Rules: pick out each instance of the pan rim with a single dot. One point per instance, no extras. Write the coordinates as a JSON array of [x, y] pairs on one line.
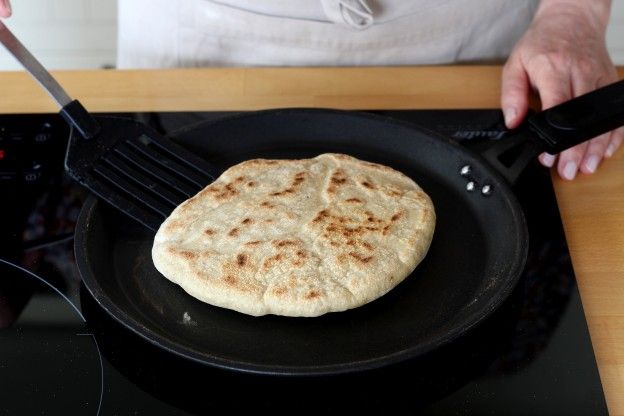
[[161, 340]]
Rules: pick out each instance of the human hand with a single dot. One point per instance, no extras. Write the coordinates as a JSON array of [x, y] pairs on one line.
[[562, 55], [5, 8]]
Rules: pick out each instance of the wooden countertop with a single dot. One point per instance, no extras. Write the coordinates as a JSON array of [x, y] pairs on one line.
[[592, 207]]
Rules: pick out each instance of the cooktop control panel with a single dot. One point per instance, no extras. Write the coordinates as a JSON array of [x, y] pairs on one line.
[[28, 149], [32, 148]]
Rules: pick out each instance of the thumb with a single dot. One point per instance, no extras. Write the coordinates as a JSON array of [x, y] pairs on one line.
[[514, 92]]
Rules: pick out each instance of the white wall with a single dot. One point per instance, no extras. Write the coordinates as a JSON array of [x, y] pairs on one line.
[[82, 33], [65, 34]]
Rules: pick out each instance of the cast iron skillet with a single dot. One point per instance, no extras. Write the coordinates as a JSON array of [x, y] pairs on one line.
[[478, 251]]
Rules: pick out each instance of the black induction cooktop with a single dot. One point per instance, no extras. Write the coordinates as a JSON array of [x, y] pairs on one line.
[[61, 354]]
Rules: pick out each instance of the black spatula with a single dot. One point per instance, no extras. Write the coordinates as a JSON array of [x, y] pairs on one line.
[[124, 162]]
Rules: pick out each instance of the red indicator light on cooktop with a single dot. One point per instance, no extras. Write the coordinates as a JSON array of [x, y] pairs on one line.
[[1, 154]]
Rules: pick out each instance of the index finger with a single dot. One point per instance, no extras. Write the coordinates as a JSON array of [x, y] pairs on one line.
[[553, 87]]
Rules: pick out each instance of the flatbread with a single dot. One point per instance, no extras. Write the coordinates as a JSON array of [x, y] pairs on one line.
[[297, 237]]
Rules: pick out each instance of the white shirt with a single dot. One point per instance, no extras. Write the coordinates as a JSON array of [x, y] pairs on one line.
[[174, 33]]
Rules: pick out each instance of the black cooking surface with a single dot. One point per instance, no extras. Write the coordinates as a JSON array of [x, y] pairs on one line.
[[533, 356]]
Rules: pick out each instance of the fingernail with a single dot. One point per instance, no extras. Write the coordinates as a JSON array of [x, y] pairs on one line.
[[569, 170], [592, 163], [610, 150], [510, 115], [548, 160]]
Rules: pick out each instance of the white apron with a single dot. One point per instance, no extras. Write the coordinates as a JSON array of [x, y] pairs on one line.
[[176, 33]]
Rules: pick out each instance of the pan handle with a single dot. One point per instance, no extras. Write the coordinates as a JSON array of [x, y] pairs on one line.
[[558, 128], [580, 119]]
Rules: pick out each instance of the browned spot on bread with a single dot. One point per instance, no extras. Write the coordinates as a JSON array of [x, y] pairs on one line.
[[299, 177], [230, 280], [260, 162], [247, 221], [233, 232], [251, 184], [189, 255], [294, 184], [239, 179], [367, 245], [297, 263], [283, 243], [393, 192], [241, 259], [272, 260], [292, 282], [279, 290], [228, 191], [359, 257], [338, 177], [348, 232], [267, 204], [368, 184], [313, 294], [353, 200], [284, 192], [321, 215], [301, 254], [371, 217], [173, 225], [268, 220], [253, 243], [209, 231]]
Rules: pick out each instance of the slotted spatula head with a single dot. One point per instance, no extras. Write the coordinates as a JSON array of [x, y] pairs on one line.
[[136, 170], [124, 162]]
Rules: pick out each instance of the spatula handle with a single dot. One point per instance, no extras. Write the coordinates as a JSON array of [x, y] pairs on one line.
[[72, 111], [580, 119]]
